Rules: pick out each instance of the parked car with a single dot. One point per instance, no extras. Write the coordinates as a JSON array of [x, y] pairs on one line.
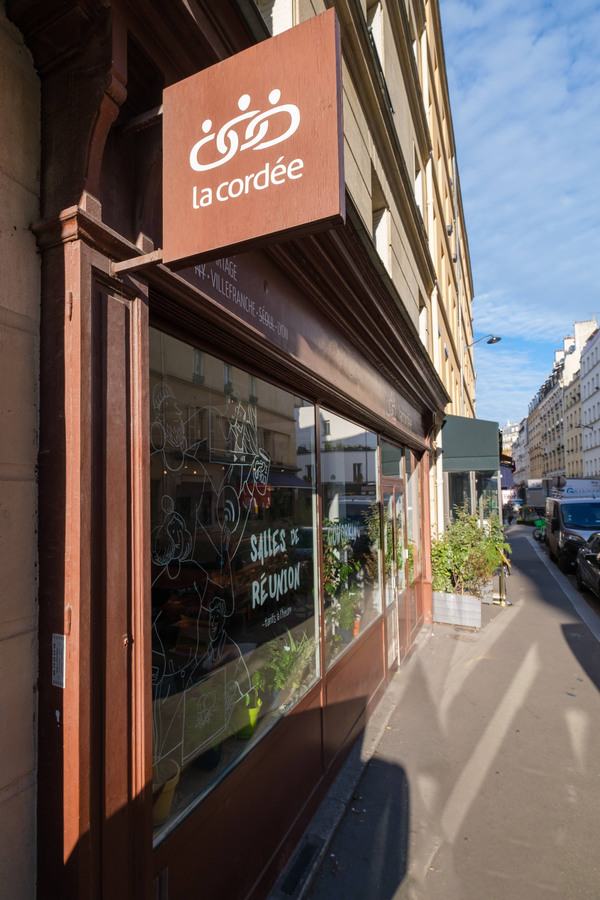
[[569, 524], [587, 566]]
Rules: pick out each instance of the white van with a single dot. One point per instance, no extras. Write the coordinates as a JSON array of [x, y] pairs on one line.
[[569, 523]]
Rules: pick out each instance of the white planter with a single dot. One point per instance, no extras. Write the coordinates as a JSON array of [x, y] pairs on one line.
[[488, 593], [457, 609]]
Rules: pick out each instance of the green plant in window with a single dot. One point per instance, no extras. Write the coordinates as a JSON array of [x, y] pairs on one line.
[[338, 567], [411, 555], [347, 608], [372, 521], [389, 542], [290, 660], [258, 686]]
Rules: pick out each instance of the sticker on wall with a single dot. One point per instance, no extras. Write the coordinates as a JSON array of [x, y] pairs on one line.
[[58, 660]]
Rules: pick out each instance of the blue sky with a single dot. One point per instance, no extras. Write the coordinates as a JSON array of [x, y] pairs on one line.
[[524, 80]]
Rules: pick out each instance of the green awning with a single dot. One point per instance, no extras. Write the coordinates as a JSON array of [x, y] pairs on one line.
[[470, 445]]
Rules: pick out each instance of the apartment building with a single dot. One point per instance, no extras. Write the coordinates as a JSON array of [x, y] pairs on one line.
[[521, 454], [590, 407], [573, 431], [510, 433], [554, 445]]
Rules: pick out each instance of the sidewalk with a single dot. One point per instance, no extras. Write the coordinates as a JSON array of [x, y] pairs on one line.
[[478, 777]]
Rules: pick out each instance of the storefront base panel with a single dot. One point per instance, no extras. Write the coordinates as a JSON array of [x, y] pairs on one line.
[[244, 833], [224, 847], [350, 685]]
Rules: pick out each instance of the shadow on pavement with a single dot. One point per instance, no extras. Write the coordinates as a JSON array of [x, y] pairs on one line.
[[375, 832], [584, 647]]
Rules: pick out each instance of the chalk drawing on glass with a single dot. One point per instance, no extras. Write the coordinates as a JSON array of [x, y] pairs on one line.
[[201, 675]]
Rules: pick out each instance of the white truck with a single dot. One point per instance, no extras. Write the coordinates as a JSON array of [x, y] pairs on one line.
[[578, 487]]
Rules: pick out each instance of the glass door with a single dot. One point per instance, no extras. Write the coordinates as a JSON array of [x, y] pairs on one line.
[[394, 548]]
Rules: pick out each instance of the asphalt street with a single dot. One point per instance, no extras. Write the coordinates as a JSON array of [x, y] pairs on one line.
[[481, 780]]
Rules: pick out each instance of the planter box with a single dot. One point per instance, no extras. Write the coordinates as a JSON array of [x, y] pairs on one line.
[[457, 609], [488, 593]]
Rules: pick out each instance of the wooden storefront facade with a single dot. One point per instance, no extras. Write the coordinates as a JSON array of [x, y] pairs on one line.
[[289, 369]]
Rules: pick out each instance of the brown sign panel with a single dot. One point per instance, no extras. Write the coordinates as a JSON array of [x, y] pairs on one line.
[[253, 146]]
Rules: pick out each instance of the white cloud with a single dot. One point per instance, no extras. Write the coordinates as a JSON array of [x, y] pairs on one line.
[[522, 318], [507, 381]]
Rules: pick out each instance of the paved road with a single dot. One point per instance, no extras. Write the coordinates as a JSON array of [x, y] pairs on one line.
[[485, 784]]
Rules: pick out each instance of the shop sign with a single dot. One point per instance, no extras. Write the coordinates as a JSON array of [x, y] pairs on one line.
[[254, 289], [253, 146]]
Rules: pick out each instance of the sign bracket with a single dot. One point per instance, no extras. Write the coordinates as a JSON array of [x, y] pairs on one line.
[[138, 262], [144, 120]]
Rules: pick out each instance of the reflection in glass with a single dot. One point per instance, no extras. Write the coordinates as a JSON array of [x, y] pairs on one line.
[[234, 605], [393, 543], [351, 531], [459, 492], [486, 495], [389, 553], [400, 548], [413, 518]]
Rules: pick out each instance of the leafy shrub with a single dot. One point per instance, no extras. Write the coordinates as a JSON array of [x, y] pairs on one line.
[[466, 556]]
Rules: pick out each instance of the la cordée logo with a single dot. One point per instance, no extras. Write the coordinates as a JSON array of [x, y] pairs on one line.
[[252, 129]]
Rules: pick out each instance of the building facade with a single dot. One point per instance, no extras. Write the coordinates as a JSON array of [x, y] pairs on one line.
[[452, 296], [238, 459], [553, 423], [590, 407], [573, 437], [521, 456], [510, 433], [19, 426]]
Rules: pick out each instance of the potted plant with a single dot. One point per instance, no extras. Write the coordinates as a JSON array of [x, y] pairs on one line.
[[463, 561], [342, 594], [165, 777], [347, 612], [289, 661], [247, 715]]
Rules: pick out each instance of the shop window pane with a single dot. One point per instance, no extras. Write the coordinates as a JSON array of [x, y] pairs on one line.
[[392, 460], [393, 545], [399, 542], [351, 531], [486, 494], [459, 492], [413, 517], [234, 589]]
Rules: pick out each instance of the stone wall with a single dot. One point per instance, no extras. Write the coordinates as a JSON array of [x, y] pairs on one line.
[[19, 350]]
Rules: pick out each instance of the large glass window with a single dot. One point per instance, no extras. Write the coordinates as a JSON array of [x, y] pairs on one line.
[[413, 517], [486, 494], [459, 491], [392, 467], [234, 590], [351, 531], [478, 490]]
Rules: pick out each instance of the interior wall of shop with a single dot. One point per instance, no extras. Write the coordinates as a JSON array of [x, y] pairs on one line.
[[19, 350]]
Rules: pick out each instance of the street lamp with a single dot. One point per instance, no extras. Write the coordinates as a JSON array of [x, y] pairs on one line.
[[491, 339]]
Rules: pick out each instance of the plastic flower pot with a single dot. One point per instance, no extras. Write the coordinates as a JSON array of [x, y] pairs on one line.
[[165, 776]]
